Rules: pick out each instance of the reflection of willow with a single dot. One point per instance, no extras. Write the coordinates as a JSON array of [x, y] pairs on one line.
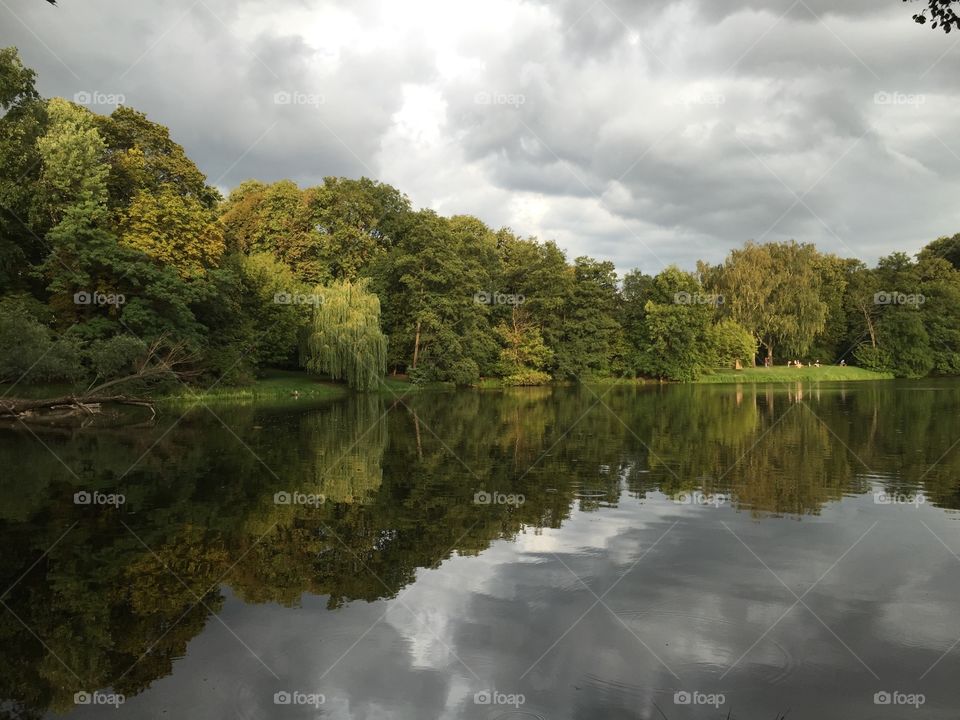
[[345, 444], [398, 502]]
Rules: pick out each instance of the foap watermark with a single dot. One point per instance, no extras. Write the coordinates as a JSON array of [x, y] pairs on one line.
[[695, 697], [295, 497], [882, 497], [95, 297], [286, 298], [695, 497], [484, 97], [295, 97], [887, 297], [715, 99], [483, 297], [96, 97], [99, 698], [298, 697], [686, 298], [895, 697], [483, 497], [84, 497], [885, 97], [495, 697]]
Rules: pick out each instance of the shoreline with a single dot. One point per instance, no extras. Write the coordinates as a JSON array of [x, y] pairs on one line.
[[292, 386]]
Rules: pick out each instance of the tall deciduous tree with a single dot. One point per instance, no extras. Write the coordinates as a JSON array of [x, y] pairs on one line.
[[144, 158], [673, 342], [73, 155], [429, 281], [22, 121], [174, 229], [591, 334], [774, 291], [357, 221]]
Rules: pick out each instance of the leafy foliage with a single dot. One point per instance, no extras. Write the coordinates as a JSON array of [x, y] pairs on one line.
[[941, 14], [345, 340], [112, 207]]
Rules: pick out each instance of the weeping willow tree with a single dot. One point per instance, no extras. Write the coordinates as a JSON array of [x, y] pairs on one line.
[[344, 340]]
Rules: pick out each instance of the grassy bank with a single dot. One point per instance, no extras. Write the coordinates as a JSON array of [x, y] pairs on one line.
[[274, 385], [285, 384], [781, 374], [280, 385]]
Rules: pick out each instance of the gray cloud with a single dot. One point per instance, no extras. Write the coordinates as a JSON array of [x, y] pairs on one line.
[[640, 132]]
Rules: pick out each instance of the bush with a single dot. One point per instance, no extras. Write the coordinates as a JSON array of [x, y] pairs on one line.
[[872, 358], [527, 377], [29, 350], [463, 373]]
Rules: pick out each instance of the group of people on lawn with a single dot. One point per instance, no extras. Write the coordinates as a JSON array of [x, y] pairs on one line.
[[767, 362]]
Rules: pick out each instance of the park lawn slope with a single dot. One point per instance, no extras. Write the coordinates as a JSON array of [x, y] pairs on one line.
[[285, 384], [791, 374]]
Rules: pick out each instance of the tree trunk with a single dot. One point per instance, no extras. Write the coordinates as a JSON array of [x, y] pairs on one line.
[[416, 346], [865, 310]]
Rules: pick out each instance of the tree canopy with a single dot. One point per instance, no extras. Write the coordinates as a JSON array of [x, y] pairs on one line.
[[110, 233]]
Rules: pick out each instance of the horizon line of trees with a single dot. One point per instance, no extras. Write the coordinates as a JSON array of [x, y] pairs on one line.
[[111, 241]]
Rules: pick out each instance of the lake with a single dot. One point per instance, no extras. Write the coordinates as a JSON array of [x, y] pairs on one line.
[[566, 552]]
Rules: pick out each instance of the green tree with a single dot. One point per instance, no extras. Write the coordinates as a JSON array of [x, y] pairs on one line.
[[947, 248], [774, 290], [428, 283], [143, 158], [23, 122], [524, 354], [73, 154], [539, 272], [729, 344], [674, 343], [357, 221], [175, 230], [591, 335], [30, 351], [345, 340]]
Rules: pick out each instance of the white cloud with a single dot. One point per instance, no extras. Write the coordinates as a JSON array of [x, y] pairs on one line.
[[645, 133]]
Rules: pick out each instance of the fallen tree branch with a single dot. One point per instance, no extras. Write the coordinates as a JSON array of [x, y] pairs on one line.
[[67, 405]]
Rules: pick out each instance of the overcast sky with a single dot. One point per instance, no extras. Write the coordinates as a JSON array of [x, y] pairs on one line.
[[636, 131]]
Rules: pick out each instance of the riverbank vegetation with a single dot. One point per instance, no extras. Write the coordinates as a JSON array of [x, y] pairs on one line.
[[115, 252], [784, 374]]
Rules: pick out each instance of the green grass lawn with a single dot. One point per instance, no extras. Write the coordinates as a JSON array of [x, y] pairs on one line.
[[782, 373], [274, 385], [280, 385], [292, 385]]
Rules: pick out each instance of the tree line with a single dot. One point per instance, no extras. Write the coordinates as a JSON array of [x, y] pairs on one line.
[[113, 244]]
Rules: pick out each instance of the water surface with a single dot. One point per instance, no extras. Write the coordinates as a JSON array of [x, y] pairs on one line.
[[601, 552]]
